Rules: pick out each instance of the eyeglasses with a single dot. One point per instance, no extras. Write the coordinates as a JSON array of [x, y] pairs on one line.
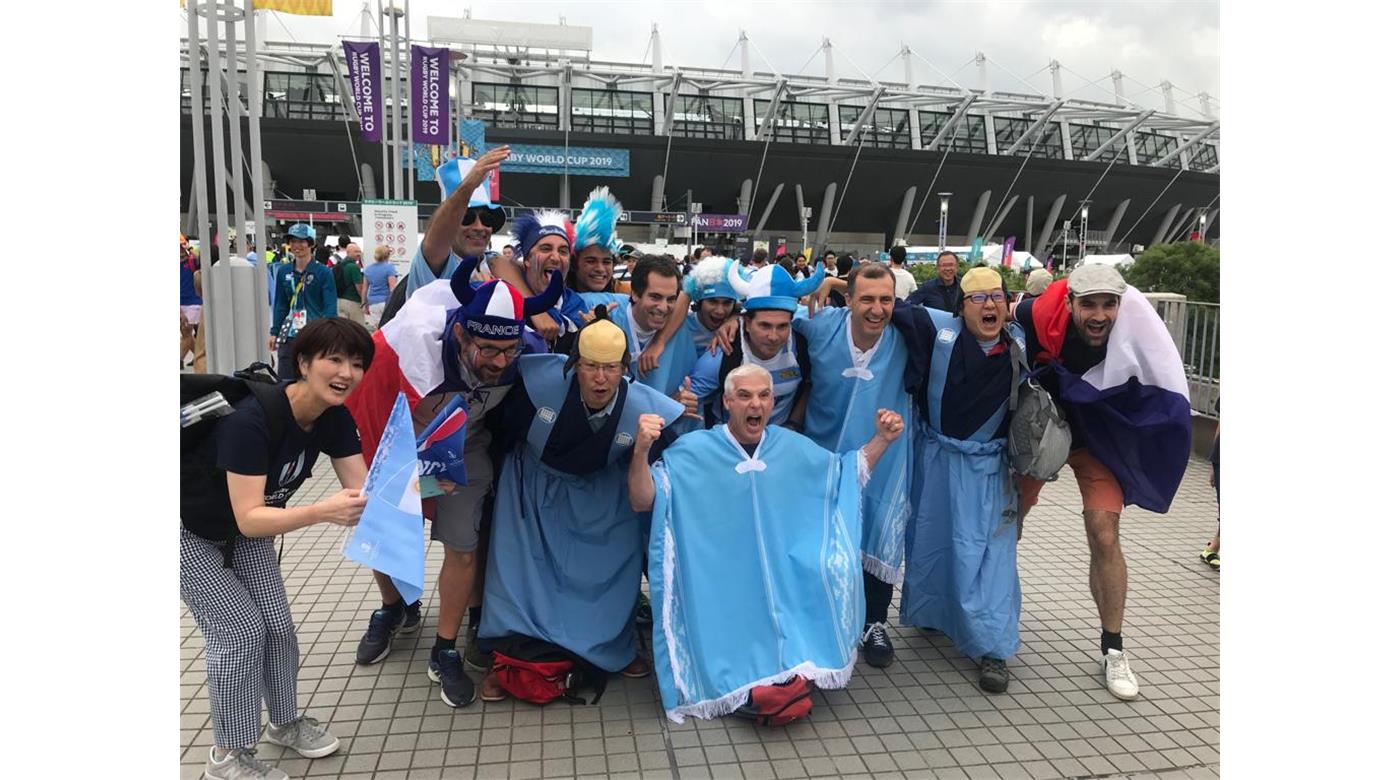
[[491, 218], [491, 353], [981, 298], [599, 368]]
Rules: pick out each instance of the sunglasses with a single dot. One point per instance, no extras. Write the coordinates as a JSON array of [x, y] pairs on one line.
[[491, 218]]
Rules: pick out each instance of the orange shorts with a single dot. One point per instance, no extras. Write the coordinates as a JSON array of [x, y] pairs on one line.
[[1097, 485]]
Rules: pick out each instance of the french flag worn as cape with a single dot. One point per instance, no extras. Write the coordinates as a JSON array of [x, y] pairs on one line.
[[1132, 409], [442, 441], [408, 359]]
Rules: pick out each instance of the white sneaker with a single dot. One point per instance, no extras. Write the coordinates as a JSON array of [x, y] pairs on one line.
[[1117, 677]]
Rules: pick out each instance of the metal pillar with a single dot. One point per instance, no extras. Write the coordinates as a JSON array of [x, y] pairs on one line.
[[1166, 223], [218, 305], [975, 226], [824, 220], [1048, 229], [1113, 223], [745, 196], [235, 135], [901, 223], [982, 74], [197, 114], [772, 201], [1117, 87], [1030, 221], [1000, 216], [1056, 88]]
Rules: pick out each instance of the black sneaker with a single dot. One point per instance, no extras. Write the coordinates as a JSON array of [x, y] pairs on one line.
[[445, 667], [643, 610], [374, 645], [879, 651], [412, 617], [994, 677]]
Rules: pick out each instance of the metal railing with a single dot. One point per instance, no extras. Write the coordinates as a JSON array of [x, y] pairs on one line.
[[1195, 328]]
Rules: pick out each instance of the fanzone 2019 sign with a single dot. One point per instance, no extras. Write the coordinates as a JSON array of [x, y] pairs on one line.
[[582, 160]]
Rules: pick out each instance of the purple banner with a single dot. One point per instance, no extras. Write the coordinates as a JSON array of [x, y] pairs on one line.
[[363, 60], [721, 223], [428, 96]]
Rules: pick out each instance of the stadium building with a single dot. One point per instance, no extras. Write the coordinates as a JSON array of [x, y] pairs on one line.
[[852, 164]]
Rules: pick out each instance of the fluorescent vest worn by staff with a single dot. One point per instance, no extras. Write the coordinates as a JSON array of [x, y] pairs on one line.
[[960, 571], [752, 581], [841, 416], [566, 548]]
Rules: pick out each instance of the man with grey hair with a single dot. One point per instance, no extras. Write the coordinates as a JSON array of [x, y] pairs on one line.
[[725, 499]]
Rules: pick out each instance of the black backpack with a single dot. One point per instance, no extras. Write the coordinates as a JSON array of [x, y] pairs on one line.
[[204, 502]]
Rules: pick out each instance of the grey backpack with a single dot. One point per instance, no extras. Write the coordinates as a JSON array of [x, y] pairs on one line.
[[1038, 437]]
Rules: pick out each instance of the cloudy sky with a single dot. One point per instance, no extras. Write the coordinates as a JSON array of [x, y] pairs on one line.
[[1148, 41]]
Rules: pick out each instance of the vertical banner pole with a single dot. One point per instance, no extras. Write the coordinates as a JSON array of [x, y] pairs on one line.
[[263, 316]]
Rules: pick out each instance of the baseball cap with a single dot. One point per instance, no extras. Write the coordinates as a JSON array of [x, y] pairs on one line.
[[627, 250], [1038, 280], [1092, 279], [301, 230]]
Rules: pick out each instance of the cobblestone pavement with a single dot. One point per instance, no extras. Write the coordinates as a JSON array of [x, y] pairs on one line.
[[924, 716]]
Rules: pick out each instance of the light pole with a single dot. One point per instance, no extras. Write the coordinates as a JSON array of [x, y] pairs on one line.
[[806, 215], [943, 220], [1064, 247], [1083, 229], [1202, 232]]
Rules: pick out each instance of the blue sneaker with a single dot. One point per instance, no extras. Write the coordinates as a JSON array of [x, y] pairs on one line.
[[445, 667], [374, 645], [412, 617]]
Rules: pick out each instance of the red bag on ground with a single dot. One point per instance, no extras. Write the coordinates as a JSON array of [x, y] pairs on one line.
[[539, 682], [778, 705]]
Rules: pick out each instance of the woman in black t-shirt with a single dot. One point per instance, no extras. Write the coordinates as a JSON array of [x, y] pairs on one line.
[[241, 606]]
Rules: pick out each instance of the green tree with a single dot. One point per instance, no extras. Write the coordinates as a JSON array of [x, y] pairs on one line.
[[1186, 267]]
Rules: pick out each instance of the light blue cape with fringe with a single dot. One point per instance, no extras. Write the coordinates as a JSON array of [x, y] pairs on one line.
[[752, 582]]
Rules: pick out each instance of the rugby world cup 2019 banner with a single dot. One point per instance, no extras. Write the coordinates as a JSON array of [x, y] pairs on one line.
[[428, 98], [363, 60], [581, 160]]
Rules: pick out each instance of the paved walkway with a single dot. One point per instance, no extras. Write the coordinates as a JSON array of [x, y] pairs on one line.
[[923, 717]]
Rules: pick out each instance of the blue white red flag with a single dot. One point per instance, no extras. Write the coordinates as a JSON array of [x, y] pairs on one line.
[[389, 536], [441, 443], [1132, 410]]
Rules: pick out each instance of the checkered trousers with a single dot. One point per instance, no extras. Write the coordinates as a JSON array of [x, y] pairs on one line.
[[250, 643]]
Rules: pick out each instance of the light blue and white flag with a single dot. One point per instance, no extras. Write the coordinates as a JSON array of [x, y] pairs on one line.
[[389, 536]]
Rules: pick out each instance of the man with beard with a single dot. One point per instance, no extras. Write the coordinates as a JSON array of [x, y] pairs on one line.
[[567, 547], [766, 339], [753, 557], [940, 292], [858, 367], [450, 339], [1113, 367], [460, 229], [960, 573]]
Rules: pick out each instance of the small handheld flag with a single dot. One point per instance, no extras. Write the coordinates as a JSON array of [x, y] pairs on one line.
[[441, 443], [389, 536]]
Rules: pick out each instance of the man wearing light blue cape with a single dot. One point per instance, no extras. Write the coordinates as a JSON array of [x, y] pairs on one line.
[[753, 562], [960, 570], [566, 546], [858, 367]]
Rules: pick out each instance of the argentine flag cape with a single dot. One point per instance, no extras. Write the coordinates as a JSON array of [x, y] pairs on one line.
[[841, 416], [752, 581], [676, 360], [960, 573], [566, 550], [389, 535], [1132, 410]]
